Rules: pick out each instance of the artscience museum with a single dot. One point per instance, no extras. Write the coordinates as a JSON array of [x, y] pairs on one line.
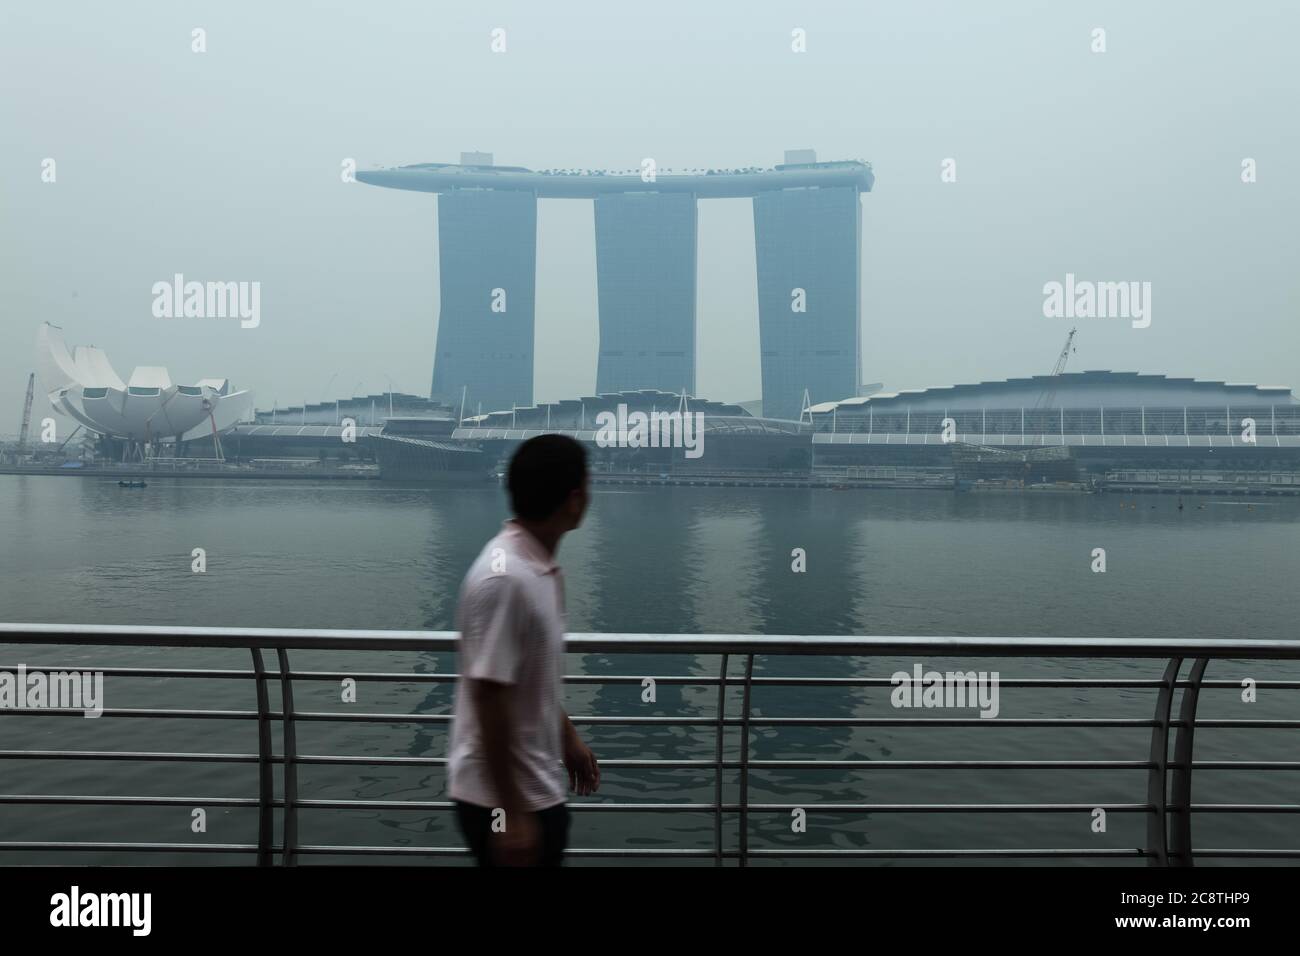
[[146, 409]]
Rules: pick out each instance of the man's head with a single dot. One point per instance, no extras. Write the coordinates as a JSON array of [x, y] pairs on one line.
[[547, 479]]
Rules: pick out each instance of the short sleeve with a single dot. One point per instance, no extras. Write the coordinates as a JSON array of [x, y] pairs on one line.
[[492, 623]]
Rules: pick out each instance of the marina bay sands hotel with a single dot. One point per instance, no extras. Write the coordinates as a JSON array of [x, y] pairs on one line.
[[808, 244]]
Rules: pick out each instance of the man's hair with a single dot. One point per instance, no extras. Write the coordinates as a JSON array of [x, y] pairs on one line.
[[543, 472]]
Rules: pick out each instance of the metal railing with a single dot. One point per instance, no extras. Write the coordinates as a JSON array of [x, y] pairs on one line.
[[1169, 808]]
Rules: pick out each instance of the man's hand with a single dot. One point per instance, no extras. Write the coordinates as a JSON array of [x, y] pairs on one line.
[[584, 772], [520, 844]]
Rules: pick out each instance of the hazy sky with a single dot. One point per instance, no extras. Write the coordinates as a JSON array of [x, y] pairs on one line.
[[225, 165]]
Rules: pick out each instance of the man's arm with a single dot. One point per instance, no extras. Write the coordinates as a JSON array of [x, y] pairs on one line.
[[584, 771], [519, 844]]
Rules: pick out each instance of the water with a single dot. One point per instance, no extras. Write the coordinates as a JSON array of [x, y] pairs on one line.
[[659, 560]]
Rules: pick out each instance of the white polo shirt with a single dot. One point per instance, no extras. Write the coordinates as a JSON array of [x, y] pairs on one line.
[[511, 622]]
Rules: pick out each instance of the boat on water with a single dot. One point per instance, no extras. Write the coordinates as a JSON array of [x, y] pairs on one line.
[[133, 484]]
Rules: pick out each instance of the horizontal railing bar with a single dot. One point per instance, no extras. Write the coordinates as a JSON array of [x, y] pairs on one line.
[[143, 847], [953, 807], [132, 712], [683, 852], [319, 759], [141, 671], [592, 852], [673, 679], [620, 721], [449, 805], [1254, 854], [366, 760], [125, 755], [1018, 682], [644, 852], [341, 716], [990, 853], [446, 678], [318, 850], [423, 805], [337, 639], [392, 676], [1011, 764], [773, 807], [71, 799], [950, 764], [666, 764], [616, 721], [782, 764], [953, 722], [595, 852], [1255, 724], [326, 759], [647, 852], [325, 850]]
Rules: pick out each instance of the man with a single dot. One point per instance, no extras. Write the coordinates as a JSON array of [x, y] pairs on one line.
[[511, 741]]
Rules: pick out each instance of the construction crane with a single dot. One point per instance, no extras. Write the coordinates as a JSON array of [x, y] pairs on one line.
[[1045, 399], [27, 414]]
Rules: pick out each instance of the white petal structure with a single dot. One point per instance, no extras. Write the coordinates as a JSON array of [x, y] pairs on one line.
[[148, 407]]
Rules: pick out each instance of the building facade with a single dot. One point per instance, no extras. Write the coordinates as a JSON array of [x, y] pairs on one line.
[[487, 261], [645, 290], [807, 224], [722, 438], [1104, 421], [808, 244]]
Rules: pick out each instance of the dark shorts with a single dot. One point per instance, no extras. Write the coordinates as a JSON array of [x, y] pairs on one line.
[[476, 826]]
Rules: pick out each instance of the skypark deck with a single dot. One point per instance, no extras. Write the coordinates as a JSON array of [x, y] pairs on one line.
[[588, 184]]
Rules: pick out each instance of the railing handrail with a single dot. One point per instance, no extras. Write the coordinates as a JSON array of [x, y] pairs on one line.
[[1169, 807], [782, 644]]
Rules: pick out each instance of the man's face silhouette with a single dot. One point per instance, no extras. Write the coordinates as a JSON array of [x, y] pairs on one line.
[[575, 506]]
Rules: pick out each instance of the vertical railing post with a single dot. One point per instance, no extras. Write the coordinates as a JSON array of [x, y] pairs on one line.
[[717, 762], [1180, 801], [1157, 792], [290, 854], [744, 762], [265, 784]]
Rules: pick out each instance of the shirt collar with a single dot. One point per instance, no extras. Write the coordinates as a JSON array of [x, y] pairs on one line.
[[529, 548]]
